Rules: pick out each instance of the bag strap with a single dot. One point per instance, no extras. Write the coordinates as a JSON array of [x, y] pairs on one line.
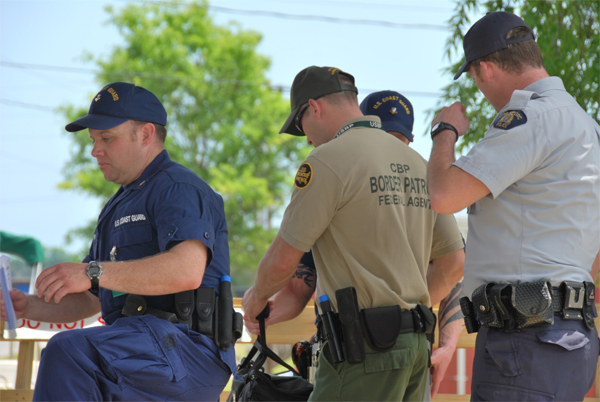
[[261, 343], [273, 356], [262, 338]]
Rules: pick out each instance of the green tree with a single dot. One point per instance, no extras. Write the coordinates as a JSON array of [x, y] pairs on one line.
[[568, 34], [223, 116]]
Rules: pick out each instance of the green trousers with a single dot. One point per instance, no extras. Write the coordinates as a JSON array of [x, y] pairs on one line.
[[400, 374]]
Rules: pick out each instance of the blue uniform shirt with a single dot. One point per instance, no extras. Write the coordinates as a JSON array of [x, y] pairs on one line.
[[166, 205]]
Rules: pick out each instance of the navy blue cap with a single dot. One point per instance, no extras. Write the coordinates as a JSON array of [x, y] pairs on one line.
[[118, 102], [488, 35], [394, 110]]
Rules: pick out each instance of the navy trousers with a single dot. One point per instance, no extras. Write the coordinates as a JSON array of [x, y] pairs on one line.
[[135, 359], [541, 363]]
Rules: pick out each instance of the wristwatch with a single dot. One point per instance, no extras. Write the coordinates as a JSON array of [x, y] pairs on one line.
[[441, 126], [94, 270]]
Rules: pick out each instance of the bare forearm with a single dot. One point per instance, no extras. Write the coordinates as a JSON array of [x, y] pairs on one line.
[[276, 268], [290, 301], [181, 268], [450, 316], [443, 274]]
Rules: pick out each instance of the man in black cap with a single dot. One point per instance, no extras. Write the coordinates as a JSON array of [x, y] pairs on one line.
[[357, 197], [397, 118], [163, 233], [533, 190]]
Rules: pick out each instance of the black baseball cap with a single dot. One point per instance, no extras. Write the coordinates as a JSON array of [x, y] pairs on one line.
[[488, 35], [311, 83], [394, 110], [118, 102]]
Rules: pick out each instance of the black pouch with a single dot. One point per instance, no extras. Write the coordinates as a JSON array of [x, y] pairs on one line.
[[238, 326], [426, 317], [351, 328], [468, 311], [382, 326], [184, 307], [484, 308], [532, 303], [589, 309], [205, 311]]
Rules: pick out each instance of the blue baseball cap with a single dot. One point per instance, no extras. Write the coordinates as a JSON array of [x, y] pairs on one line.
[[118, 102], [488, 35], [394, 110]]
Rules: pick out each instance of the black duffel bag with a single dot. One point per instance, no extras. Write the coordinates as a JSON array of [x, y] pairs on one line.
[[256, 385]]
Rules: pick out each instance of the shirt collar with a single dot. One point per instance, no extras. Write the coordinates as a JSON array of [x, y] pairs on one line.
[[153, 168], [356, 119], [546, 84]]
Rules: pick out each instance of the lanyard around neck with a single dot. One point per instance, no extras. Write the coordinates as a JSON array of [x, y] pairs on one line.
[[369, 123]]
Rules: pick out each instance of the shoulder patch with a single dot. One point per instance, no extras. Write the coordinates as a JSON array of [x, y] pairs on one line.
[[304, 176], [510, 119]]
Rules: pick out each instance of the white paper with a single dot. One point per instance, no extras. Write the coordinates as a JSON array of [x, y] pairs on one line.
[[6, 286]]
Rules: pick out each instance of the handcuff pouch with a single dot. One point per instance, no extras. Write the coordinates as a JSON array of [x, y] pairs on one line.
[[532, 303], [382, 326], [484, 308]]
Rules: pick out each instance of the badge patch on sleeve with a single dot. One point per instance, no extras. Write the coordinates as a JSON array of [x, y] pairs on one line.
[[510, 119], [304, 176]]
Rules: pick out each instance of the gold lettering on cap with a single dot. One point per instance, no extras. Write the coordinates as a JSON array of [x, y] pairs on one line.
[[332, 70], [114, 94], [405, 107]]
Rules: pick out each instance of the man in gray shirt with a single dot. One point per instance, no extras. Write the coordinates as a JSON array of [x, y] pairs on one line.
[[533, 191]]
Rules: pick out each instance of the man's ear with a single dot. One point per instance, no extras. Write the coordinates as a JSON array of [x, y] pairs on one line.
[[148, 133], [318, 108], [487, 70]]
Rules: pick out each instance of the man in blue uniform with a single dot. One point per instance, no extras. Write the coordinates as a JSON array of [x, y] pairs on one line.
[[533, 190], [162, 233]]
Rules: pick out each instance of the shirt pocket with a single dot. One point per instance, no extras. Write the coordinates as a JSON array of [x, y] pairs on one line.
[[131, 235], [131, 242]]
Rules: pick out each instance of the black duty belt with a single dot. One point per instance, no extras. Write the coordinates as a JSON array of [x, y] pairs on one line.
[[512, 307]]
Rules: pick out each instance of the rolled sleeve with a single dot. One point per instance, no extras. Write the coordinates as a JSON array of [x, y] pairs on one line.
[[184, 212], [182, 229]]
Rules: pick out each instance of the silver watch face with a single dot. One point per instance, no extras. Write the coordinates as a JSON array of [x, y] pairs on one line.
[[435, 127], [94, 269]]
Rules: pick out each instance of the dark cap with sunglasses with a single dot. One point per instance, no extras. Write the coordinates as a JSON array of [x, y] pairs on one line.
[[312, 83]]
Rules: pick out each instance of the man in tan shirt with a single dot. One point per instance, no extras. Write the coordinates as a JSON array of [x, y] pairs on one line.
[[361, 203]]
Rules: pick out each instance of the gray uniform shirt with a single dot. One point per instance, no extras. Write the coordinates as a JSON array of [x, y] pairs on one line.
[[540, 160]]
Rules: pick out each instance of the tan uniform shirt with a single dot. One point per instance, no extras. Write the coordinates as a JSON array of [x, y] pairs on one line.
[[361, 203]]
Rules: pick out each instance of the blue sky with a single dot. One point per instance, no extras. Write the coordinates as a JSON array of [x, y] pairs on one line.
[[41, 67]]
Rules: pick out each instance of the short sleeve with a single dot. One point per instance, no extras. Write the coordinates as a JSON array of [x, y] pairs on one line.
[[182, 212], [505, 156], [446, 236], [314, 202]]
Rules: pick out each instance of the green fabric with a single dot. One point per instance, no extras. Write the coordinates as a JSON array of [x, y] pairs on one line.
[[399, 374], [25, 247]]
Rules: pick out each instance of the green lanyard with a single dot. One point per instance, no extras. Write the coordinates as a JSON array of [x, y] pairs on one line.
[[369, 123]]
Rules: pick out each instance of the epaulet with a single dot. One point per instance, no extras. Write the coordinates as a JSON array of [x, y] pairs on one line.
[[515, 116]]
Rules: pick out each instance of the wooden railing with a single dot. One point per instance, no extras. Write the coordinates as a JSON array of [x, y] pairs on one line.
[[286, 333]]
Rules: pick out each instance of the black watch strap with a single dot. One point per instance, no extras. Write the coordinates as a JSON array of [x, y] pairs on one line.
[[441, 126], [95, 285]]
